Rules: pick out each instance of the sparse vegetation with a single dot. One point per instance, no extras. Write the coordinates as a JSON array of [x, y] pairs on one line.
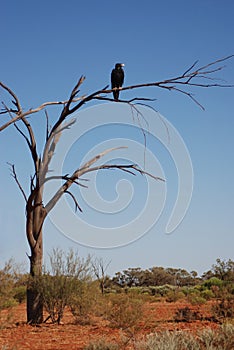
[[221, 339], [69, 285]]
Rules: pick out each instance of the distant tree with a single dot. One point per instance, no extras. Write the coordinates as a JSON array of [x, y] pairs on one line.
[[132, 276], [224, 270], [154, 276], [36, 208], [99, 269], [194, 278], [119, 279], [180, 277], [160, 276]]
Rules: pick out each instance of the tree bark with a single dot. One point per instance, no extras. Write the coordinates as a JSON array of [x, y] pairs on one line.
[[34, 306], [34, 298], [35, 219]]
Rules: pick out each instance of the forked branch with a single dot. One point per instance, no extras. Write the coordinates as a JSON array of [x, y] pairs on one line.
[[87, 168]]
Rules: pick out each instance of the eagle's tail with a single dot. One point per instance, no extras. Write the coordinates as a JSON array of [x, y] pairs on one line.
[[116, 95]]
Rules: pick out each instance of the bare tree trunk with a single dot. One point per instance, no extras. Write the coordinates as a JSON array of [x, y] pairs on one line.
[[34, 299], [35, 219]]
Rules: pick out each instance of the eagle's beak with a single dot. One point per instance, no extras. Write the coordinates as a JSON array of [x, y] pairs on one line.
[[122, 64]]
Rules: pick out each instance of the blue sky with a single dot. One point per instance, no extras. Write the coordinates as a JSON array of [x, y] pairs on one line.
[[47, 45]]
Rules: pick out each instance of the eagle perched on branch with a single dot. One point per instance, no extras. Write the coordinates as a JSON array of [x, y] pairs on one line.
[[117, 79]]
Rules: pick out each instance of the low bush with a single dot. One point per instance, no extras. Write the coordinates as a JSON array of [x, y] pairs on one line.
[[174, 295], [213, 281], [83, 301], [10, 285], [19, 294], [186, 315], [207, 294], [196, 299], [168, 341], [124, 311], [223, 308], [6, 303], [161, 290], [63, 284], [220, 339]]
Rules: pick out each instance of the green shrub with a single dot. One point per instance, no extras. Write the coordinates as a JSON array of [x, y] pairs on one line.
[[196, 299], [191, 290], [19, 294], [7, 303], [8, 278], [134, 290], [207, 294], [124, 311], [175, 295], [161, 290], [146, 290], [55, 292], [83, 301], [60, 284], [213, 281]]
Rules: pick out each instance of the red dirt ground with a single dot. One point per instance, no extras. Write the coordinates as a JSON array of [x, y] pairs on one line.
[[15, 334]]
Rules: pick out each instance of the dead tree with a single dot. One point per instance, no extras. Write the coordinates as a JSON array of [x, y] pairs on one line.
[[99, 269], [36, 209]]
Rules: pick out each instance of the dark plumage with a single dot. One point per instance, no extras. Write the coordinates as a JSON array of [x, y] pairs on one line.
[[117, 79]]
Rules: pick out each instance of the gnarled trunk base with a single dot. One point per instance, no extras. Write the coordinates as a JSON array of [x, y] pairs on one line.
[[34, 306]]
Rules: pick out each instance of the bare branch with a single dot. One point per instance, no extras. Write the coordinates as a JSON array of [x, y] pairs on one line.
[[124, 167], [47, 125], [15, 101], [190, 68], [31, 142], [64, 177], [75, 201], [100, 155], [33, 111], [14, 175], [190, 96], [75, 91]]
